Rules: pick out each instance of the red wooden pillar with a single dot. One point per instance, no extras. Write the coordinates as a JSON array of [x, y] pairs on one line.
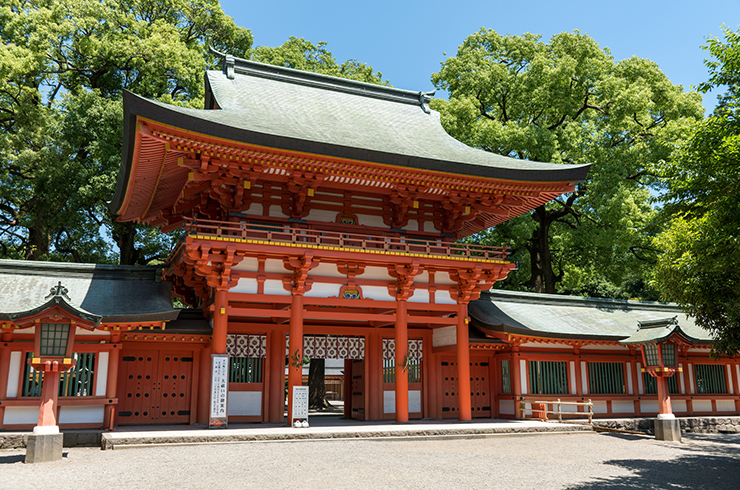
[[204, 386], [463, 364], [516, 381], [220, 321], [373, 388], [348, 386], [402, 350], [295, 349], [276, 367], [664, 397], [4, 372], [48, 408], [111, 384]]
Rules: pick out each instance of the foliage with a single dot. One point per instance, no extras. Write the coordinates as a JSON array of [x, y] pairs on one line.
[[699, 266], [63, 67], [568, 101]]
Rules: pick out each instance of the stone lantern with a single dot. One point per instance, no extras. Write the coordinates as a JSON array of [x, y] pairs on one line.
[[55, 323], [659, 341]]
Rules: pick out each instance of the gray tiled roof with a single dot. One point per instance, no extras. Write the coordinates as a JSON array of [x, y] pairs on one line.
[[117, 293], [301, 111], [556, 316]]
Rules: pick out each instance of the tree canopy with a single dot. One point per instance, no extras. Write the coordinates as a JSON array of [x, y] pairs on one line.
[[699, 266], [569, 101], [63, 67]]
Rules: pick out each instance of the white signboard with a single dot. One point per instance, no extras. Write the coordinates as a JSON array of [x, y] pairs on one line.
[[219, 390], [300, 402]]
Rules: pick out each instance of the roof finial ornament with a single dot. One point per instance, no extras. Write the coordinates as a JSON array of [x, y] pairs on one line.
[[59, 290], [424, 99]]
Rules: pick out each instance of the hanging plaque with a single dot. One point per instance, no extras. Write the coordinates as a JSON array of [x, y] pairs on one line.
[[219, 390]]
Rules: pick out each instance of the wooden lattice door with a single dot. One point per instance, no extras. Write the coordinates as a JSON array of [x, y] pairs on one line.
[[155, 387]]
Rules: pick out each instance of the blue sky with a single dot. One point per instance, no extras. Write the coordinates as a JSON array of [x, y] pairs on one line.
[[406, 40]]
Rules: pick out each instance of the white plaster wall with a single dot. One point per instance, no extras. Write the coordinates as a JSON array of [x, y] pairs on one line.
[[245, 403], [584, 378], [623, 406], [273, 286], [506, 407], [255, 208], [725, 405], [323, 290], [378, 273], [389, 401], [680, 379], [370, 220], [377, 293], [429, 226], [729, 379], [523, 375], [246, 285], [691, 378], [444, 298], [678, 405], [21, 415], [248, 264], [322, 215], [444, 336], [443, 278], [649, 406], [326, 270], [101, 374], [573, 387], [275, 266], [640, 389], [422, 278], [628, 367], [600, 406], [414, 401], [420, 296], [702, 405], [14, 375], [83, 331], [92, 414]]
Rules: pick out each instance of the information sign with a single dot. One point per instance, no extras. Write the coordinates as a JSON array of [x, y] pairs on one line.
[[219, 390]]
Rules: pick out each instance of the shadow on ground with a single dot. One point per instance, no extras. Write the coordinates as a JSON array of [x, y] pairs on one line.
[[712, 466]]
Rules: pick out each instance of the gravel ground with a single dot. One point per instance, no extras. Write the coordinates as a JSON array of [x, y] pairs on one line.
[[575, 461]]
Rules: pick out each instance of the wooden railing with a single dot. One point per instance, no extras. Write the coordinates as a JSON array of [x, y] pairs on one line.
[[276, 234], [539, 409]]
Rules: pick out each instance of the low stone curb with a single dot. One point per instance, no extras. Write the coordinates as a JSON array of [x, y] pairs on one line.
[[113, 441], [696, 425]]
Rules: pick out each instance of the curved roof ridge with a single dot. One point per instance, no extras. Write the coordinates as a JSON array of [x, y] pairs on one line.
[[562, 299]]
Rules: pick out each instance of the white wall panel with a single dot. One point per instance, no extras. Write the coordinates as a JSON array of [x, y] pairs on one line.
[[623, 406], [702, 405], [101, 373], [14, 375], [273, 286], [378, 293], [245, 403], [246, 285], [92, 414], [21, 415], [323, 290]]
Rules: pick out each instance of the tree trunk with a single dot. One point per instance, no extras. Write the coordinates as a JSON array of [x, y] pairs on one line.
[[316, 386], [125, 236], [38, 241], [542, 278]]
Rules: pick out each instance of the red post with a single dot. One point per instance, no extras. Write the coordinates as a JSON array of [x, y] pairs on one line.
[[402, 350], [220, 321], [664, 397], [463, 364], [295, 350], [49, 395], [276, 390], [111, 385], [4, 372]]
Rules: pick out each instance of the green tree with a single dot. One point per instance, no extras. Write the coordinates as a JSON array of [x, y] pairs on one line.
[[63, 67], [568, 101], [699, 266]]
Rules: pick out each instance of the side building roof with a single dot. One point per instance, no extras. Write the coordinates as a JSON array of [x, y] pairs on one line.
[[571, 317], [118, 294]]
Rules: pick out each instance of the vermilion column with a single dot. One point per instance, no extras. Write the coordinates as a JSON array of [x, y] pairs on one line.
[[111, 385], [4, 372], [220, 321], [276, 390], [664, 397], [402, 350], [463, 364], [295, 345], [48, 408]]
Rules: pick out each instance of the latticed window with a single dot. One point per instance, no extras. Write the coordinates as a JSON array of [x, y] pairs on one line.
[[651, 354], [413, 369], [651, 384], [80, 381], [548, 378], [246, 369], [54, 338], [606, 378], [710, 378], [506, 376], [669, 354]]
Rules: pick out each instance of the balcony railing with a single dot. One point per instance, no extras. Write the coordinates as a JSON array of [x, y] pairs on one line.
[[279, 235]]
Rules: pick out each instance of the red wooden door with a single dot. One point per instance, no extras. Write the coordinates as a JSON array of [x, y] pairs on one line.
[[358, 389], [479, 388], [155, 387]]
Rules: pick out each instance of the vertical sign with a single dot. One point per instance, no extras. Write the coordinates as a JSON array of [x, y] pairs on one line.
[[219, 390], [300, 403]]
